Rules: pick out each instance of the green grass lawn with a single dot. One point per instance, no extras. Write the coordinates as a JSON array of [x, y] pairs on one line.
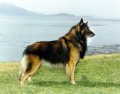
[[99, 74]]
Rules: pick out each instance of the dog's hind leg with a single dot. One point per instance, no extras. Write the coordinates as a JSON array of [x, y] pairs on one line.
[[33, 66], [23, 66]]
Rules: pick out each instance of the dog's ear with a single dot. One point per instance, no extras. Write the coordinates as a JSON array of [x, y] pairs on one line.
[[81, 21], [87, 23]]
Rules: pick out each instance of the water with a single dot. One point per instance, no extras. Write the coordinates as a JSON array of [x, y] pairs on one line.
[[18, 32]]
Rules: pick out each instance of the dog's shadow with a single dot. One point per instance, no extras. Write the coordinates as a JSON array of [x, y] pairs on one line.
[[84, 83], [49, 83], [97, 84]]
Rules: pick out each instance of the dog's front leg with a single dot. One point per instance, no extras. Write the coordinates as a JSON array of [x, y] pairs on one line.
[[70, 68], [73, 59]]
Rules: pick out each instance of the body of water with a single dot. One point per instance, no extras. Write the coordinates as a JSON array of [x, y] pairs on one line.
[[18, 32]]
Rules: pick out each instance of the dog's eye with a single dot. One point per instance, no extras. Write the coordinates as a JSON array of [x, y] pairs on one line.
[[87, 29]]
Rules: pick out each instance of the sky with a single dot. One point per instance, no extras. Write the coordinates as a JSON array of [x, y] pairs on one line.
[[98, 8]]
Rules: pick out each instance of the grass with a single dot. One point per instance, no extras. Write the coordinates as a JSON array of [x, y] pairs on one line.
[[98, 74]]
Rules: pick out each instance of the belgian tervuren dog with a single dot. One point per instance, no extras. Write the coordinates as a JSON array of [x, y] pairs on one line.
[[67, 51]]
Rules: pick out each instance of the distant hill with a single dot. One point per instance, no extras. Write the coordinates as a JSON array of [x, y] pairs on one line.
[[10, 9], [63, 15]]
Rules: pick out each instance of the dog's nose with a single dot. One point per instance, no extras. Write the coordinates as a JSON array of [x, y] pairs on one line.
[[92, 35]]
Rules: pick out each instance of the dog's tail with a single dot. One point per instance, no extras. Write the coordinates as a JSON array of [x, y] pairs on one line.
[[23, 66]]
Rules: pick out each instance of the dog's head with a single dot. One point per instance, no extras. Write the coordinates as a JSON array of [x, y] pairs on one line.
[[84, 30]]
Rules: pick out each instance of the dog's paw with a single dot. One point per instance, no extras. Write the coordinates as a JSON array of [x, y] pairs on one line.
[[29, 79], [72, 82]]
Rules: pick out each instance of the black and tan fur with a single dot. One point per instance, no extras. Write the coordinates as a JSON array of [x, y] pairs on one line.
[[67, 51]]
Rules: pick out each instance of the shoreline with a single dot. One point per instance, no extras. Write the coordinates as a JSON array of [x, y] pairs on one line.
[[103, 49]]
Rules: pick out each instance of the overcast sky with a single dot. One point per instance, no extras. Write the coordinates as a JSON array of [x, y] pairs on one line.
[[99, 8]]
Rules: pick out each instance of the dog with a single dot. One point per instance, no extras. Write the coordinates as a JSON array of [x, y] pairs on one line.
[[67, 50]]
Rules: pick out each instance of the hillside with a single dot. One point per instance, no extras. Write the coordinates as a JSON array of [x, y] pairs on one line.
[[11, 9], [99, 74]]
